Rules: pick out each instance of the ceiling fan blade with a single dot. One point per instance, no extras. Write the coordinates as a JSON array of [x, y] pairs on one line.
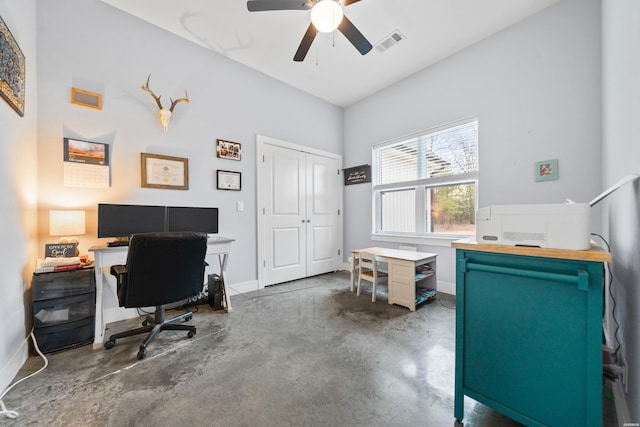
[[305, 44], [356, 38], [263, 5], [348, 2]]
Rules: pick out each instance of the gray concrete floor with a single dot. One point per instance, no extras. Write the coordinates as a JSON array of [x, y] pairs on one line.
[[305, 353]]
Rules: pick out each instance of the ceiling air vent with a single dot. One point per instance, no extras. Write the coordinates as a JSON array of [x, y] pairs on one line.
[[389, 41]]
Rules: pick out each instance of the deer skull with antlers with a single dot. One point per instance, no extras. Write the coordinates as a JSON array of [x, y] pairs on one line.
[[165, 115]]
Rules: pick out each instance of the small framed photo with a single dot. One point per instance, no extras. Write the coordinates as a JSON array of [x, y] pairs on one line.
[[86, 98], [94, 153], [228, 180], [228, 150], [164, 172], [546, 170]]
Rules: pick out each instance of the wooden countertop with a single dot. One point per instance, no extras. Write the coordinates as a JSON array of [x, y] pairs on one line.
[[596, 253]]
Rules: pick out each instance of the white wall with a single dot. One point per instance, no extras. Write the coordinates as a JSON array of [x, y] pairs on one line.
[[621, 152], [18, 174], [91, 45], [535, 88]]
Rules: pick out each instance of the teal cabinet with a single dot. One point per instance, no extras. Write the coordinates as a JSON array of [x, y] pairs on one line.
[[529, 333]]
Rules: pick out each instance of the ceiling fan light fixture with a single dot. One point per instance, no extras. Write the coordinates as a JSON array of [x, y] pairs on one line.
[[326, 15]]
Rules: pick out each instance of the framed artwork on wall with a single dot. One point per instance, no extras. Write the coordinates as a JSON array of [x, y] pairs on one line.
[[12, 70], [228, 180], [164, 172], [228, 150], [546, 170]]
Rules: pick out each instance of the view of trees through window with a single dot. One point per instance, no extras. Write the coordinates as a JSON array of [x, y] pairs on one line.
[[452, 209], [437, 171]]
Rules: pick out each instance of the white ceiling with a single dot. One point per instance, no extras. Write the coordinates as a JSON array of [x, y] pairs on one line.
[[333, 69]]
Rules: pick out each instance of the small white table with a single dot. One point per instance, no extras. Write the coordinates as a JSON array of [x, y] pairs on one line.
[[402, 277], [105, 257]]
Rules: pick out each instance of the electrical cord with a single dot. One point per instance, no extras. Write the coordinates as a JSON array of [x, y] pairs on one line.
[[613, 299], [3, 409]]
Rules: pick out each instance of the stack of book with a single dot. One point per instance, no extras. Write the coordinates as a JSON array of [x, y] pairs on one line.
[[423, 294], [51, 264]]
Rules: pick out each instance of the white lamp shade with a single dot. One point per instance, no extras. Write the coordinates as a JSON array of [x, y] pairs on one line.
[[326, 15], [66, 223]]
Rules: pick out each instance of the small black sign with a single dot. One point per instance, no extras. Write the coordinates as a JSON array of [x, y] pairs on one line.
[[357, 175], [60, 250]]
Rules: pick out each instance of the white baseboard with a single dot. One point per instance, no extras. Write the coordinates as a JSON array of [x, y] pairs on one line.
[[620, 400], [242, 287], [446, 287], [13, 365], [116, 314]]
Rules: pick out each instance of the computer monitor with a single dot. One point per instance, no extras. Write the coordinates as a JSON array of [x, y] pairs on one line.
[[125, 220], [200, 220]]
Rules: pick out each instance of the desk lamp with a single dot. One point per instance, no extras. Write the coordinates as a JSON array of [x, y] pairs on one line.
[[68, 224]]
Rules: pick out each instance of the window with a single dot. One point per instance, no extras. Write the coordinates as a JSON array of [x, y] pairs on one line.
[[426, 184]]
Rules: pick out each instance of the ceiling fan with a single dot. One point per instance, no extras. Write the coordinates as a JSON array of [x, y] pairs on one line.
[[326, 16]]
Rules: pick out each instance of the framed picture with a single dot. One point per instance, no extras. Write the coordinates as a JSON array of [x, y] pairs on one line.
[[546, 170], [228, 150], [228, 180], [94, 153], [86, 98], [164, 172], [11, 70]]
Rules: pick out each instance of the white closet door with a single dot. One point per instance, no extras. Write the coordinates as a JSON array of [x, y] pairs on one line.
[[322, 214], [285, 221], [300, 228]]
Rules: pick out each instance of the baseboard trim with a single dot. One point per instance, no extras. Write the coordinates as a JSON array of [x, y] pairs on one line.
[[620, 402], [13, 365], [242, 287], [446, 287]]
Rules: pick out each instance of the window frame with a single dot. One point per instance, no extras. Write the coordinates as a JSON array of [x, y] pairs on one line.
[[420, 186]]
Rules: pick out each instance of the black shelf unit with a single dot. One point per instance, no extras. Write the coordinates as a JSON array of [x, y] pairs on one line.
[[64, 306]]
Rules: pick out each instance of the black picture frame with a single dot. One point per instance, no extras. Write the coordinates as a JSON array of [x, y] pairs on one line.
[[228, 180]]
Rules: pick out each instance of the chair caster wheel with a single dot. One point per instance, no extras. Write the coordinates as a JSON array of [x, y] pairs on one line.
[[145, 323], [458, 424], [186, 319], [109, 344], [142, 354], [190, 334]]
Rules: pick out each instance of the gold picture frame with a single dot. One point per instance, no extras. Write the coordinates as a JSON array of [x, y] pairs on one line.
[[85, 98], [165, 172], [12, 70]]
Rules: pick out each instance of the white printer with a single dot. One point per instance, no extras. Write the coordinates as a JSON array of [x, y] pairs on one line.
[[558, 225]]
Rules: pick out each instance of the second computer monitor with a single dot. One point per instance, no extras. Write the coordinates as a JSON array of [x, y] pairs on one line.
[[201, 220]]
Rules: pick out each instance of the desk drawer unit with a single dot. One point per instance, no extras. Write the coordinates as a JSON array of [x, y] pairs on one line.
[[62, 284], [61, 310], [64, 336], [402, 283], [403, 279], [64, 309]]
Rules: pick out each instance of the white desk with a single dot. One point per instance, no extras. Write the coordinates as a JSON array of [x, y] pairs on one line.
[[402, 272], [105, 257]]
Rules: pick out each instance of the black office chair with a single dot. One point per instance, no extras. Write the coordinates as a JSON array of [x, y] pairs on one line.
[[162, 268]]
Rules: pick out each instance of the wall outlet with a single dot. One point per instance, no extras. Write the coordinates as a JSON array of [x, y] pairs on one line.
[[239, 206]]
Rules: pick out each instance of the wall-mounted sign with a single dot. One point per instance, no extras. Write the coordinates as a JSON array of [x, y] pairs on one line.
[[357, 175]]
